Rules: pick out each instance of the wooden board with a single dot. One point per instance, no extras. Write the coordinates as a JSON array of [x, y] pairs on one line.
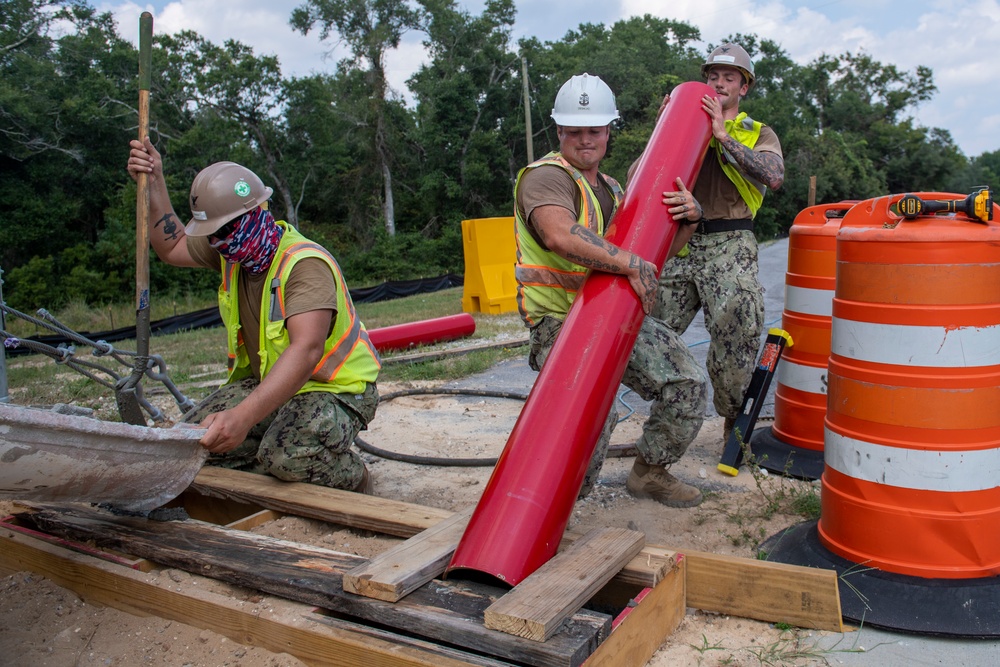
[[809, 594], [450, 612], [381, 515], [641, 629], [285, 630], [537, 606], [408, 566], [806, 597]]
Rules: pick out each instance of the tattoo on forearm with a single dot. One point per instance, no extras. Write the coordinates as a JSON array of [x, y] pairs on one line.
[[648, 276], [767, 168], [593, 239], [593, 263], [170, 227]]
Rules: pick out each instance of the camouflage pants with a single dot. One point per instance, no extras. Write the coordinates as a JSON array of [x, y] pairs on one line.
[[719, 275], [308, 439], [660, 369]]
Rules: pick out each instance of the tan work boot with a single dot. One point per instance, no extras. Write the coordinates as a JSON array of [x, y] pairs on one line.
[[651, 481]]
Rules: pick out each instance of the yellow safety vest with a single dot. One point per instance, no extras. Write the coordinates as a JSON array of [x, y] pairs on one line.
[[349, 361], [546, 282], [746, 131]]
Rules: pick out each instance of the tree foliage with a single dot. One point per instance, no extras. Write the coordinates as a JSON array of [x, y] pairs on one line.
[[382, 182]]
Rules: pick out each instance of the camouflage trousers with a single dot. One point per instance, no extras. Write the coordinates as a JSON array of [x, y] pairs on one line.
[[718, 276], [308, 439], [660, 369]]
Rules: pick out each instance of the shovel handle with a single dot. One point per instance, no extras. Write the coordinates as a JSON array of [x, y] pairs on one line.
[[128, 404], [142, 193]]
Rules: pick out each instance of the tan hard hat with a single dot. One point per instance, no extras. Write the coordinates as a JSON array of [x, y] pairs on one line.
[[730, 55], [584, 101], [220, 193]]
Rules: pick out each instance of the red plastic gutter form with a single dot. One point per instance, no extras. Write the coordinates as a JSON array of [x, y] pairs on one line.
[[521, 517], [424, 332]]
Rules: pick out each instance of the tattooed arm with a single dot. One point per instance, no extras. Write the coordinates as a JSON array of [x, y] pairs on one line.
[[166, 231], [767, 168], [562, 235]]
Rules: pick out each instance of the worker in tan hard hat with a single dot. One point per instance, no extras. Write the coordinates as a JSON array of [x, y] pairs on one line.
[[717, 271], [302, 370], [563, 208]]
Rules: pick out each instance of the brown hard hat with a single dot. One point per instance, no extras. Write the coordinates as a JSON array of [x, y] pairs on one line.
[[730, 55], [222, 192]]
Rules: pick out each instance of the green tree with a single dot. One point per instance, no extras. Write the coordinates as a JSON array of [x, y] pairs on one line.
[[465, 130], [370, 28]]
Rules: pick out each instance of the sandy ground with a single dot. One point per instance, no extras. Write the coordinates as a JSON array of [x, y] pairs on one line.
[[42, 624]]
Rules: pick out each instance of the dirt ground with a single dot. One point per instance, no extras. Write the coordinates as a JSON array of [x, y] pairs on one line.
[[42, 624]]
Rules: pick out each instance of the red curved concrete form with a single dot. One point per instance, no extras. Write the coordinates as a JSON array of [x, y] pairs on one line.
[[521, 517], [424, 332]]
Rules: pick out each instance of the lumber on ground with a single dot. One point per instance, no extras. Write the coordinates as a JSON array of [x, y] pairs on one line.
[[537, 606], [450, 612], [380, 515], [772, 592], [408, 566], [288, 629]]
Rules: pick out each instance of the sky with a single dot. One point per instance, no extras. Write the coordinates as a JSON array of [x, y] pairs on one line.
[[958, 39]]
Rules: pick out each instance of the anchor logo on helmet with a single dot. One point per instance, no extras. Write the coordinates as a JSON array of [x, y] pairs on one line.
[[584, 99]]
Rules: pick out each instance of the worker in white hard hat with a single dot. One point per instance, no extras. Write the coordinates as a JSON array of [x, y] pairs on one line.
[[302, 369], [563, 207], [717, 272]]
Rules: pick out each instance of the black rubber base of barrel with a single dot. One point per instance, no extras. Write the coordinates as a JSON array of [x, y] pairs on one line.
[[779, 457], [946, 607]]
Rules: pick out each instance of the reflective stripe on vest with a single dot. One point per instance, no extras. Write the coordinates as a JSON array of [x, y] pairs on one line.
[[349, 359], [546, 282], [746, 131]]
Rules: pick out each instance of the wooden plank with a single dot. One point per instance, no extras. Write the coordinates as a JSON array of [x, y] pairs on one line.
[[318, 616], [642, 628], [449, 612], [408, 566], [285, 630], [712, 587], [537, 606], [254, 520], [11, 523], [380, 515], [318, 502], [806, 597]]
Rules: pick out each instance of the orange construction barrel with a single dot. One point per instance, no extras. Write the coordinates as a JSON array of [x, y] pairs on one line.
[[794, 444], [910, 509]]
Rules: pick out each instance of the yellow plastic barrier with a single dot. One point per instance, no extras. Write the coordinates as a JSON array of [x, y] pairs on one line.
[[490, 254]]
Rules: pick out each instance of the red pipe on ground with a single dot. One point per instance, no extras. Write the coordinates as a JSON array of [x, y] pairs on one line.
[[521, 517], [424, 332]]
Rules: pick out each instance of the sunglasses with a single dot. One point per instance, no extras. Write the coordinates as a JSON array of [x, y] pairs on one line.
[[226, 230]]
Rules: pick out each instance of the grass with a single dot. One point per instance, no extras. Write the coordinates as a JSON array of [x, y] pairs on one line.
[[195, 360], [792, 646]]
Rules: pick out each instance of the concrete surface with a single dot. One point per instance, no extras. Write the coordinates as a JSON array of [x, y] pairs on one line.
[[864, 647]]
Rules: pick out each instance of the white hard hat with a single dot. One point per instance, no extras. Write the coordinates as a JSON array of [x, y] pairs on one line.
[[584, 101]]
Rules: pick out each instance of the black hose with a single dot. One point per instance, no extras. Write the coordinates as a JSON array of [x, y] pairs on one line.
[[436, 460]]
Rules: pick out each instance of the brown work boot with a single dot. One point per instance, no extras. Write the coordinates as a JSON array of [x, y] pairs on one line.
[[652, 481], [366, 485]]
